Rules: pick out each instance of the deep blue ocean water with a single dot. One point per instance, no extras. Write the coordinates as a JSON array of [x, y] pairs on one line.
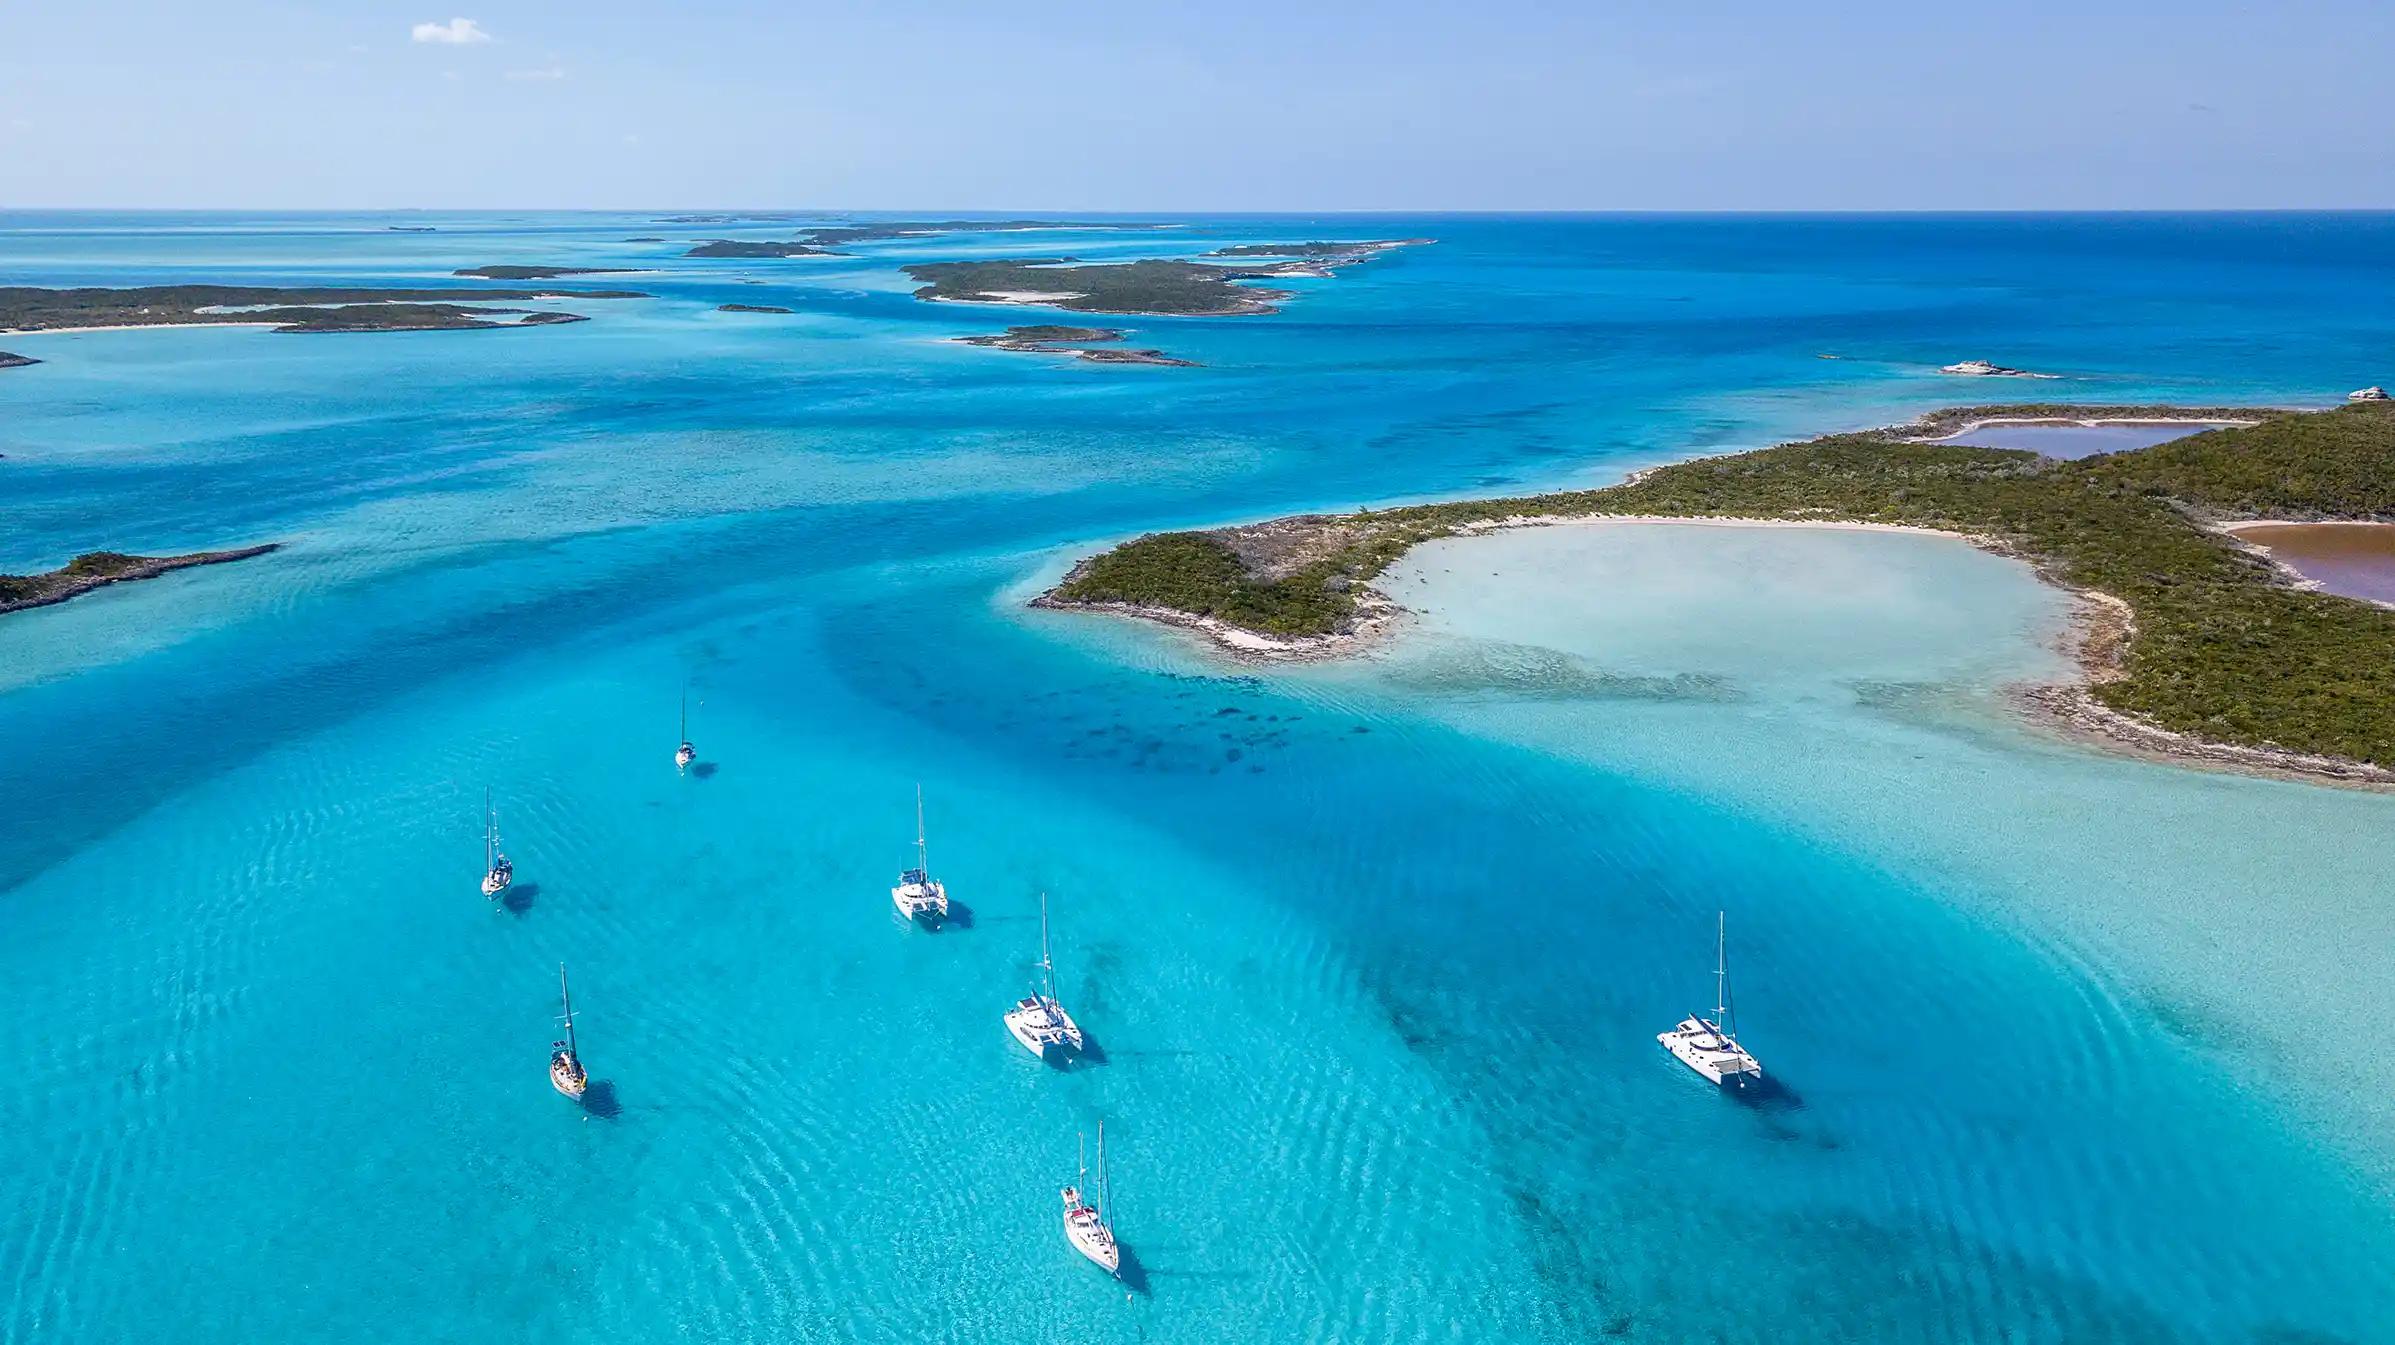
[[2073, 1049]]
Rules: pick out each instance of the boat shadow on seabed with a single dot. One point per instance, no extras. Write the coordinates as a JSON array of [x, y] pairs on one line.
[[518, 898], [599, 1100]]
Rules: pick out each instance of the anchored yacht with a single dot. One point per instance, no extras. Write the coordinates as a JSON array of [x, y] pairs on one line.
[[566, 1074], [919, 896], [1085, 1224], [497, 869], [1037, 1020], [1710, 1045]]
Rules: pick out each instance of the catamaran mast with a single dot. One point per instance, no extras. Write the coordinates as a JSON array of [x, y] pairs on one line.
[[1721, 972], [922, 851], [1046, 966]]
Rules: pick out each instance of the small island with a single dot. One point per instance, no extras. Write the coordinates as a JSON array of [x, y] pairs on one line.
[[819, 241], [2192, 644], [98, 569], [26, 309], [538, 272], [1152, 287], [749, 308], [650, 239], [1080, 342], [8, 361], [1324, 253], [734, 248]]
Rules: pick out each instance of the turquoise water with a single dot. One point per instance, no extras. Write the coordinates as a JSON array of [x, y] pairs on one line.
[[2073, 1049]]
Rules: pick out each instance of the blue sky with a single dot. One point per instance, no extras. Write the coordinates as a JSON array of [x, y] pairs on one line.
[[1229, 105]]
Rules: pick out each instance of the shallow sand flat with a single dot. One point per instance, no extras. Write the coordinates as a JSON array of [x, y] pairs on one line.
[[1850, 682]]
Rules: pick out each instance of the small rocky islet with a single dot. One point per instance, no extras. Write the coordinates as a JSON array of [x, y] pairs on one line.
[[98, 569], [1156, 287], [1081, 342]]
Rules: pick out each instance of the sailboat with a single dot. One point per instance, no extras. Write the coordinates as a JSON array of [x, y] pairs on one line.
[[566, 1074], [685, 754], [1085, 1224], [1037, 1020], [1710, 1045], [497, 869], [918, 895]]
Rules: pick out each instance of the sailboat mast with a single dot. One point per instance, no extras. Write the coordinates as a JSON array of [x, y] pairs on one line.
[[568, 996], [1047, 966], [1105, 1192], [490, 831], [922, 851], [685, 714], [1721, 970]]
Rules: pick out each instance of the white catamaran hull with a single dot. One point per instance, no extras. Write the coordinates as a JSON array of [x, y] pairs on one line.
[[1697, 1044], [927, 902], [1045, 1030]]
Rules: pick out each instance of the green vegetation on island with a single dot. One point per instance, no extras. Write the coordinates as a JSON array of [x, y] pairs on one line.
[[734, 248], [1083, 342], [28, 309], [2220, 646], [820, 240], [98, 569], [1189, 289], [1153, 286], [749, 308], [1320, 251]]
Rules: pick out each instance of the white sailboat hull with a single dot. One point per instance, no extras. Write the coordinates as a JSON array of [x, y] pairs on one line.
[[1044, 1029], [1712, 1053], [925, 901], [1095, 1244], [1087, 1231]]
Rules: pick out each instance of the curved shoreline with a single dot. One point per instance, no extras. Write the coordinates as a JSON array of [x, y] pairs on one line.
[[1343, 553]]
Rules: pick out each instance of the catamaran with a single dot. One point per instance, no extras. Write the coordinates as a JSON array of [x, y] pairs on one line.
[[685, 754], [1037, 1020], [1710, 1045], [566, 1074], [1085, 1224], [497, 869], [919, 896]]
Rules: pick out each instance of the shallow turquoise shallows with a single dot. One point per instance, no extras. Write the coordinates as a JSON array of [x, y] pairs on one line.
[[2066, 1048]]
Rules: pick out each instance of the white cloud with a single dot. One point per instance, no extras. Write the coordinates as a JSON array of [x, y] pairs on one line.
[[544, 73], [455, 33]]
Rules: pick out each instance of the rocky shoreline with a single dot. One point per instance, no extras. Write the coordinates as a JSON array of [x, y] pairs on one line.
[[98, 569]]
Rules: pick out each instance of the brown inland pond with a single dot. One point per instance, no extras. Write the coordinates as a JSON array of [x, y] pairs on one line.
[[2354, 559]]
